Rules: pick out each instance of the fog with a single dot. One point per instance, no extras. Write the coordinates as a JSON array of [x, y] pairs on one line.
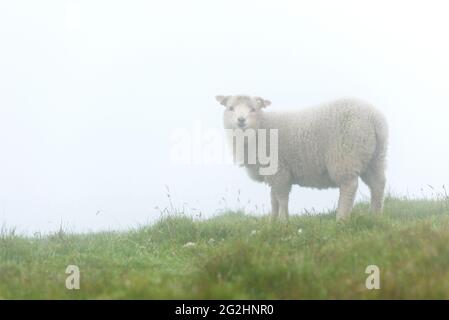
[[92, 92]]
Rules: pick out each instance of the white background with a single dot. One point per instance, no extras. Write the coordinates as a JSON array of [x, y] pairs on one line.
[[92, 91]]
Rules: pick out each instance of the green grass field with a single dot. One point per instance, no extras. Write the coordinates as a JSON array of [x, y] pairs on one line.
[[239, 256]]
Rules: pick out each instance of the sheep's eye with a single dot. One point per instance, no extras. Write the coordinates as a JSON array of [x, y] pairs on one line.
[[231, 109]]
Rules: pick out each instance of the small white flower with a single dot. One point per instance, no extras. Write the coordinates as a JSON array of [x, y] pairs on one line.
[[299, 230], [189, 244], [211, 241], [254, 232]]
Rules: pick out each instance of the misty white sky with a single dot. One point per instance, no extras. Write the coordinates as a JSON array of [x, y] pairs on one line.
[[92, 91]]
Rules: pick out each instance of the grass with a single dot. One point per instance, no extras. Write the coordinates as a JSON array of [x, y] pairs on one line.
[[239, 256]]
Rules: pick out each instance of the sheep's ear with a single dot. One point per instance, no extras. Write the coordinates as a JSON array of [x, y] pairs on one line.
[[222, 99], [263, 103]]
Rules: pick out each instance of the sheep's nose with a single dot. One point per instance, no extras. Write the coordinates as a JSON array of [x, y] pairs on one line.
[[241, 120]]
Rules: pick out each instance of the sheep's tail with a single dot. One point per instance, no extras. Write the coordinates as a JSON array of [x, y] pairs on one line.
[[381, 131]]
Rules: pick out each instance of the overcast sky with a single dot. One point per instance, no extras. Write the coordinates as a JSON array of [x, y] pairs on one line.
[[91, 93]]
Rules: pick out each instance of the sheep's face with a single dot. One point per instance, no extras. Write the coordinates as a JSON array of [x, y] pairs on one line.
[[242, 112]]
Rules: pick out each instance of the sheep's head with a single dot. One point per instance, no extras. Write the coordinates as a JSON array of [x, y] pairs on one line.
[[242, 112]]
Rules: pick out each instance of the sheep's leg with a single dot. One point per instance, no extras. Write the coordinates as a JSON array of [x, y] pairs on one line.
[[377, 197], [375, 180], [280, 190], [280, 196], [348, 190], [274, 206], [283, 207]]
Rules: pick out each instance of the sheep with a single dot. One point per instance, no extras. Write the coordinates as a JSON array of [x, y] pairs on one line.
[[325, 146]]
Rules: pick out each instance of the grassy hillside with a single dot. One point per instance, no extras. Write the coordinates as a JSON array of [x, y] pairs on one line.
[[240, 256]]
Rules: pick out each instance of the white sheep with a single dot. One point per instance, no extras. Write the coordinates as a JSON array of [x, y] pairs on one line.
[[327, 146]]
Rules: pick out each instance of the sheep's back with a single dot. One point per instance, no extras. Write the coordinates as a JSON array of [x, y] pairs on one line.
[[321, 145]]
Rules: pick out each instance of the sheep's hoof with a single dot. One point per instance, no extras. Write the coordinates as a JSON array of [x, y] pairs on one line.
[[344, 218], [279, 219]]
